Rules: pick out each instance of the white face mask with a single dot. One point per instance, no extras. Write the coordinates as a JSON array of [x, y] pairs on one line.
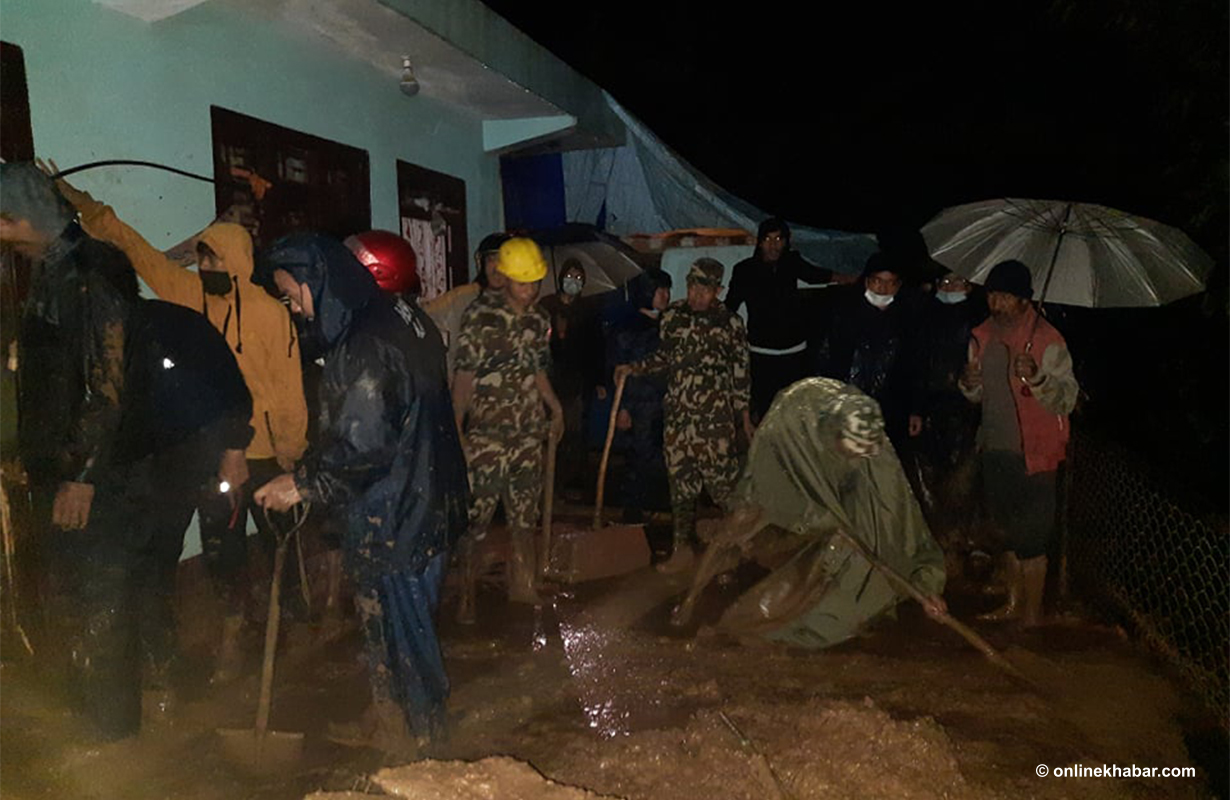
[[951, 298], [572, 286], [879, 300]]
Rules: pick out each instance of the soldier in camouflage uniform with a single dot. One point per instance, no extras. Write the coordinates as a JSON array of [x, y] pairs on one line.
[[704, 354], [499, 392]]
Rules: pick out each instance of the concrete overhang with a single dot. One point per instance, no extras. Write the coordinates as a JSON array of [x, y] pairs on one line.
[[464, 55]]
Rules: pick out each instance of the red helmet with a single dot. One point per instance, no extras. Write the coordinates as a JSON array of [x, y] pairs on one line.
[[389, 258]]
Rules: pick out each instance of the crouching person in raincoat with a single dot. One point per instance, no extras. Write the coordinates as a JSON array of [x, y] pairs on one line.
[[820, 462], [387, 459]]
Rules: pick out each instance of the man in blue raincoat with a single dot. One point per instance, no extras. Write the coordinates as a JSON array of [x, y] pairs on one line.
[[387, 460]]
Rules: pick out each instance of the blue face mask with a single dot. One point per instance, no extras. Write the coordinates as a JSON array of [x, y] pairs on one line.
[[572, 286], [951, 298]]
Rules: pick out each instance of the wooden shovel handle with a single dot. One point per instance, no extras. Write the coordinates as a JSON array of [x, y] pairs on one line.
[[548, 509], [606, 451], [903, 585], [271, 638]]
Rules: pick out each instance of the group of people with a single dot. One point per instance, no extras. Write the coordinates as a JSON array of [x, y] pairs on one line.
[[136, 413], [948, 382]]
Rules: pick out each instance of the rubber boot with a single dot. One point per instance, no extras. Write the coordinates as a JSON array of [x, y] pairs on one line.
[[332, 622], [467, 558], [1011, 609], [522, 568], [684, 522], [229, 664], [1033, 573]]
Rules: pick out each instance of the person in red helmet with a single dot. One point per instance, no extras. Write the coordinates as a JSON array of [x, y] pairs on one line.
[[389, 258]]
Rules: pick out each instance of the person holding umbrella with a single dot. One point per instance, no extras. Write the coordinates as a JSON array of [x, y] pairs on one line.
[[1020, 372]]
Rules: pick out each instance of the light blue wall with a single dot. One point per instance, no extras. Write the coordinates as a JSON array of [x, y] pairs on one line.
[[104, 85]]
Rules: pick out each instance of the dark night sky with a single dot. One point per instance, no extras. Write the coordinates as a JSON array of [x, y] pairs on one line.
[[874, 116], [877, 115]]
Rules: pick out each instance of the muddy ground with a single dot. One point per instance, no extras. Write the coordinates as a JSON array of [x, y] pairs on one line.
[[596, 691]]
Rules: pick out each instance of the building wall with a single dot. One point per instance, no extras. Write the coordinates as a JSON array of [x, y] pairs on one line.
[[104, 85]]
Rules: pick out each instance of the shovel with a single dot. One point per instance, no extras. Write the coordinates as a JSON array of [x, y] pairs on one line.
[[548, 509], [584, 553], [260, 749], [900, 582]]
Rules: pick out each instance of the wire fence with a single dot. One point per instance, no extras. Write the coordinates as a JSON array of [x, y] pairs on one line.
[[1156, 557]]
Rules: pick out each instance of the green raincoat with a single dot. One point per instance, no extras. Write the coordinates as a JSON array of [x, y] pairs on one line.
[[798, 483]]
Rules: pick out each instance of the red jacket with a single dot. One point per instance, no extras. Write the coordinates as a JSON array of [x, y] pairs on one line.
[[1044, 434]]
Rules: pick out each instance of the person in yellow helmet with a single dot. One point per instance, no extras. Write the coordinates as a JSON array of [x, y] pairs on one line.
[[501, 394]]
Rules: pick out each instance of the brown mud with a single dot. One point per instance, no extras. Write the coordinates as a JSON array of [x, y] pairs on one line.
[[598, 693]]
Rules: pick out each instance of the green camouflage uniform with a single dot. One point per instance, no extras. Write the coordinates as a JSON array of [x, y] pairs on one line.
[[705, 357], [507, 422]]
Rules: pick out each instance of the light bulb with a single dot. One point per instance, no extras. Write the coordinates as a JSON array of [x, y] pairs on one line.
[[409, 84]]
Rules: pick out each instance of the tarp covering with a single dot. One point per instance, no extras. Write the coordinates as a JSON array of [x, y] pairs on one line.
[[644, 187], [803, 487]]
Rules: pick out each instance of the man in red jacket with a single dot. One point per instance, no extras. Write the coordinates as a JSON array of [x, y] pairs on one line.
[[1020, 371]]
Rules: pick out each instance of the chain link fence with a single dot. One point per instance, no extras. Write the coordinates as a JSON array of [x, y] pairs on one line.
[[1157, 558]]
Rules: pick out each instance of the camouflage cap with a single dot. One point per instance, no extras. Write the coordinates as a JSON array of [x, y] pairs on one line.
[[862, 424], [706, 271]]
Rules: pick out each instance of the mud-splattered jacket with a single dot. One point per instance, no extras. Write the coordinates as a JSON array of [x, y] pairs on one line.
[[72, 358], [504, 350], [386, 457], [705, 357]]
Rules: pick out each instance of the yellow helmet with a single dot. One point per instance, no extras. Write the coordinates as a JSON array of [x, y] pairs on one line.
[[522, 261]]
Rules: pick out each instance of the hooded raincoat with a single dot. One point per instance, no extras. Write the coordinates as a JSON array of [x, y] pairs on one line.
[[387, 458], [256, 326], [804, 488]]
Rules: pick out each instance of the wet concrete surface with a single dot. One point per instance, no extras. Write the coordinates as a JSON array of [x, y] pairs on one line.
[[596, 690]]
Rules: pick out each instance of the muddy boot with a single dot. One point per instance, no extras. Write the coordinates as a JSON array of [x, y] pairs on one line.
[[1011, 609], [467, 564], [382, 727], [1033, 581], [158, 698], [684, 522], [229, 663], [522, 568], [332, 621], [157, 707], [681, 560]]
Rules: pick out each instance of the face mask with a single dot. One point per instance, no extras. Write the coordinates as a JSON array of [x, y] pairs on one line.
[[879, 300], [572, 286], [951, 298], [216, 283]]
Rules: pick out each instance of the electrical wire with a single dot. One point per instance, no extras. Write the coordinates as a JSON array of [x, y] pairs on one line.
[[129, 163]]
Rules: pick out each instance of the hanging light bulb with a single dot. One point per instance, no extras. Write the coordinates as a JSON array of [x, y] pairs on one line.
[[409, 84]]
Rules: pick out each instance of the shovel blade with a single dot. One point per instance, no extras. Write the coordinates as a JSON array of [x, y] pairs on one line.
[[272, 751]]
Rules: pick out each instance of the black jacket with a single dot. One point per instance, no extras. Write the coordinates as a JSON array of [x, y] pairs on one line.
[[870, 348], [771, 290], [386, 455], [181, 379], [71, 358]]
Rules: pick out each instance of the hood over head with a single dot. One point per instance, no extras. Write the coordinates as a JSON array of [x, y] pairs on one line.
[[233, 245], [339, 284]]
